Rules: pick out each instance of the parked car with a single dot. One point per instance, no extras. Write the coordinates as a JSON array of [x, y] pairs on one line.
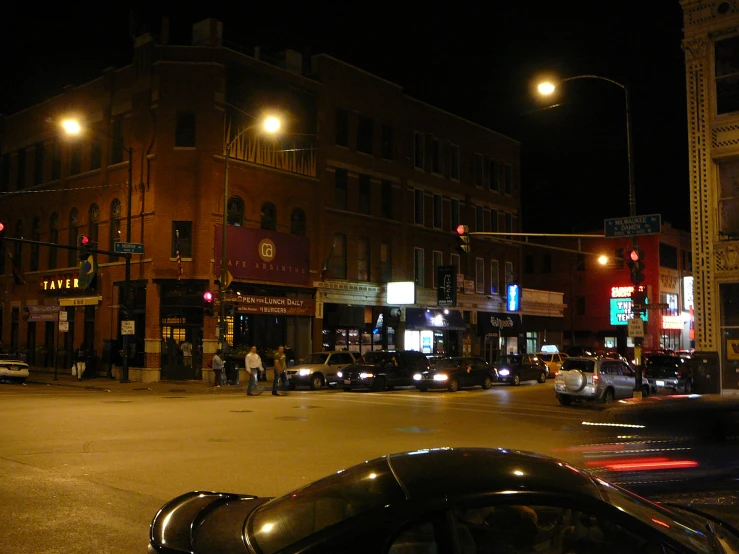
[[440, 500], [663, 371], [594, 379], [553, 361], [12, 368], [319, 369], [664, 444], [382, 370], [514, 368], [456, 372]]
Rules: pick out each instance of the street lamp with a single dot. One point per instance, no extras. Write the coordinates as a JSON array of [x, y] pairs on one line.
[[73, 127], [271, 125], [603, 259]]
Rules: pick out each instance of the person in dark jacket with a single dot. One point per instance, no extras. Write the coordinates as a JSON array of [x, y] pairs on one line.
[[81, 360]]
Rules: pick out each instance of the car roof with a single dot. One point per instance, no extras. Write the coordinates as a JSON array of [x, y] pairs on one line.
[[458, 472]]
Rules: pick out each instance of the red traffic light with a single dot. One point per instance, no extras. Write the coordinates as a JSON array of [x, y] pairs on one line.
[[2, 227], [208, 296], [462, 229], [634, 255], [85, 240]]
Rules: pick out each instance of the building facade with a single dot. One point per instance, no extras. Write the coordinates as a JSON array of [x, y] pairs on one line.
[[711, 45], [365, 186], [598, 296]]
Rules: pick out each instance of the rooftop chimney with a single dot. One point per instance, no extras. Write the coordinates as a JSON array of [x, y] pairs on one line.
[[208, 32]]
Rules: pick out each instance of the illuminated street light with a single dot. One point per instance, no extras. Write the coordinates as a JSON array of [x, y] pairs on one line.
[[546, 88], [271, 124], [71, 126], [602, 259]]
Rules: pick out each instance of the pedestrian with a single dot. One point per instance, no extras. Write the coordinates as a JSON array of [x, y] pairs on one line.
[[217, 368], [253, 363], [81, 360], [280, 367], [187, 353]]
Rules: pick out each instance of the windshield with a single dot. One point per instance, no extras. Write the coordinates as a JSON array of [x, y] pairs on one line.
[[583, 365], [346, 494], [318, 358], [663, 361], [444, 363]]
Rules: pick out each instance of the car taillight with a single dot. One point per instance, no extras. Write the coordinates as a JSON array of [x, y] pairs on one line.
[[596, 378]]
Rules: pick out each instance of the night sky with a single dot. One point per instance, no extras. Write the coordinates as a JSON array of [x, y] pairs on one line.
[[479, 64]]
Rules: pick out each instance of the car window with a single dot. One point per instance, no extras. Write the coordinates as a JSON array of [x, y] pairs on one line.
[[346, 359], [626, 370], [417, 538], [585, 366], [317, 358], [610, 368], [547, 357]]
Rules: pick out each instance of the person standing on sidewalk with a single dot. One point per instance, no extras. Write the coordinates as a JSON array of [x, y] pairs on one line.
[[253, 363], [217, 368], [186, 348], [280, 367], [81, 359]]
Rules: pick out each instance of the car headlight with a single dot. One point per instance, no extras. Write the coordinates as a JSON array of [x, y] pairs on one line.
[[440, 377], [366, 375], [503, 372], [417, 377], [339, 374], [304, 372]]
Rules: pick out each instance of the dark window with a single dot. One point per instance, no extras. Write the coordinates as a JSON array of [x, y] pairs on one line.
[[478, 169], [494, 177], [508, 177], [546, 263], [508, 223], [494, 277], [35, 235], [365, 194], [342, 127], [236, 211], [115, 226], [4, 172], [38, 163], [437, 211], [528, 264], [388, 142], [116, 143], [341, 179], [494, 221], [455, 214], [74, 217], [667, 255], [185, 131], [387, 199], [479, 275], [363, 260], [579, 305], [338, 256], [386, 261], [54, 239], [418, 266], [418, 149], [438, 260], [21, 168], [727, 75], [269, 216], [92, 224], [96, 153], [297, 222], [437, 157], [454, 161], [56, 161], [418, 207], [365, 135], [75, 158], [185, 238], [479, 219]]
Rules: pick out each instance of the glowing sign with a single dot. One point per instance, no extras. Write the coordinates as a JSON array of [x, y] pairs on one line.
[[621, 292], [621, 311], [687, 293], [401, 292], [513, 300], [672, 322]]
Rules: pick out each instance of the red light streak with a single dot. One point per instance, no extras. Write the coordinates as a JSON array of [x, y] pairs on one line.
[[643, 464]]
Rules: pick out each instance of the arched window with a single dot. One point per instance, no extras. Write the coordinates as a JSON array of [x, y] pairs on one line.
[[35, 235], [297, 222], [92, 223], [18, 246], [115, 226], [53, 238], [269, 216], [74, 219], [236, 211]]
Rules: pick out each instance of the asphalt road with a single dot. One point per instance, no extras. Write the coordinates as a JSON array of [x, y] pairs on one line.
[[85, 470]]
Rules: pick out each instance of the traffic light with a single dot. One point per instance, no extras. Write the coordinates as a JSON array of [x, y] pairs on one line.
[[84, 247], [2, 235], [208, 303], [464, 239], [635, 260]]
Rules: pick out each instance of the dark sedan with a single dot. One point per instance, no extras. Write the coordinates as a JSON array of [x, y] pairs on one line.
[[456, 372], [665, 371], [514, 368], [440, 500]]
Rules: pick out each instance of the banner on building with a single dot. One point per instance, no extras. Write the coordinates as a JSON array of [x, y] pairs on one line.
[[273, 305], [446, 292]]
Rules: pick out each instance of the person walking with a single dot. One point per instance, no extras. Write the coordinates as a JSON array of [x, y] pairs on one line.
[[186, 348], [81, 359], [217, 368], [253, 363], [280, 367]]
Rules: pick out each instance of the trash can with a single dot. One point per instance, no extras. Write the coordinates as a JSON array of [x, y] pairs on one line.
[[704, 369], [232, 372]]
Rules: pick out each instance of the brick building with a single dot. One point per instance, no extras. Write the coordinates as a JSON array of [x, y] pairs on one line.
[[364, 186]]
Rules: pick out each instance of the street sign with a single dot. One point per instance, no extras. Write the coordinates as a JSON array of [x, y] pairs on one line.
[[42, 313], [62, 315], [64, 326], [128, 327], [81, 301], [636, 327], [632, 226], [128, 247]]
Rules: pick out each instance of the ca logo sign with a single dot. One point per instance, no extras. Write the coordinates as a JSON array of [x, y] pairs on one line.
[[267, 250]]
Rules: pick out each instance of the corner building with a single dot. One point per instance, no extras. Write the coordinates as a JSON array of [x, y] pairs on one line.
[[365, 186]]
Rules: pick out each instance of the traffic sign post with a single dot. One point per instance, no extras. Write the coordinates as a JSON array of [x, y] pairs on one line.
[[633, 226], [636, 327], [128, 248]]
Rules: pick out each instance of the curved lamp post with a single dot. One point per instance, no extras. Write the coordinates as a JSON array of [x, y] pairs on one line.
[[270, 125]]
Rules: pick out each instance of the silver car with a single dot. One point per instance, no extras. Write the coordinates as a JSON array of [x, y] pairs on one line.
[[319, 369], [12, 368], [593, 379]]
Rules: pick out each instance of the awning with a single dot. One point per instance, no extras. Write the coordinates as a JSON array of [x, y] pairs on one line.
[[80, 301], [422, 318], [496, 323]]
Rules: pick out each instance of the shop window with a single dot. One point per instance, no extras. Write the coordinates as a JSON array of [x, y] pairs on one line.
[[438, 261], [418, 207], [185, 129], [494, 176], [388, 142], [479, 276], [418, 149], [418, 273], [478, 169], [75, 158], [269, 216], [532, 341], [386, 261], [338, 256], [365, 194], [363, 260], [56, 161], [116, 144], [342, 127], [727, 75], [365, 135], [21, 169], [494, 277], [387, 199], [341, 181], [454, 162], [54, 239], [185, 239], [115, 226], [92, 224], [297, 222], [96, 152], [38, 163], [236, 211], [36, 236]]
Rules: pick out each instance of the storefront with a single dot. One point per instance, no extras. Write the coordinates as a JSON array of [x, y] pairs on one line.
[[434, 331], [542, 330], [500, 333], [358, 329]]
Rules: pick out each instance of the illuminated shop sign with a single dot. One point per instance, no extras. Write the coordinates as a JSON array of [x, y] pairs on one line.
[[513, 298], [60, 283], [687, 293], [672, 322], [621, 311]]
